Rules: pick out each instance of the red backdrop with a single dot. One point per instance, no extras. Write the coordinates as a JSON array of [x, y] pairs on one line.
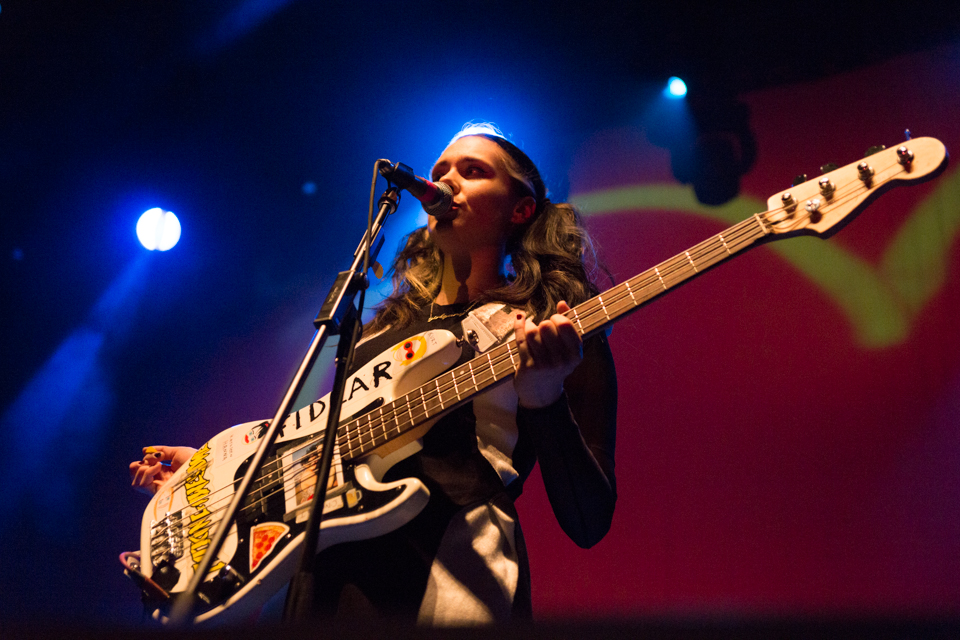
[[789, 432], [771, 456]]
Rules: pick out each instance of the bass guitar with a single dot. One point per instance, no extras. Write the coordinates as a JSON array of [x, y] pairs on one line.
[[395, 399]]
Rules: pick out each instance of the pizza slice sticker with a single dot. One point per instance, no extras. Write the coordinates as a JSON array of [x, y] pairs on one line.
[[263, 540]]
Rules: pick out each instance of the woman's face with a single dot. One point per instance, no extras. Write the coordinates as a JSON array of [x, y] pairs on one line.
[[486, 206]]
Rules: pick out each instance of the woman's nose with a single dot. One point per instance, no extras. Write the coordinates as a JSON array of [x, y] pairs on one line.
[[451, 182]]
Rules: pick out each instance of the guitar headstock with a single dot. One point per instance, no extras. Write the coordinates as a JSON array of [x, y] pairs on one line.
[[823, 205]]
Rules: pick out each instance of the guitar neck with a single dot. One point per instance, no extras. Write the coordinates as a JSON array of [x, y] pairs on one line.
[[828, 203], [365, 434], [615, 303]]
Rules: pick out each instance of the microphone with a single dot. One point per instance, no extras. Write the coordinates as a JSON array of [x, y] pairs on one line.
[[437, 198]]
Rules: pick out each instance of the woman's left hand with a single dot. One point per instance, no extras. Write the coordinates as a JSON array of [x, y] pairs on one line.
[[549, 352]]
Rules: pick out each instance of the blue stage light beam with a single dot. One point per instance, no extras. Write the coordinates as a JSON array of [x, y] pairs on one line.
[[158, 230], [66, 406]]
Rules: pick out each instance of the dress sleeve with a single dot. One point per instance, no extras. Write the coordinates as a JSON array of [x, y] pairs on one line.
[[574, 441]]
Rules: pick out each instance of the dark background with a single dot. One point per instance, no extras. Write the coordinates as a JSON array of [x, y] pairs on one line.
[[772, 461]]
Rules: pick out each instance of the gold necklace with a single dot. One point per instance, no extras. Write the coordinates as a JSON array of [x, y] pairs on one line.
[[432, 317]]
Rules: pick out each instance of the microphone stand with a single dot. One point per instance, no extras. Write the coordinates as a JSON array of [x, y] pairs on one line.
[[338, 315]]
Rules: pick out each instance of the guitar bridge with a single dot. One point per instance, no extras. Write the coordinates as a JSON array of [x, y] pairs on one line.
[[166, 537]]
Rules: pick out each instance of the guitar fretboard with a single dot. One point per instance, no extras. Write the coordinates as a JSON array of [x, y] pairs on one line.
[[363, 435]]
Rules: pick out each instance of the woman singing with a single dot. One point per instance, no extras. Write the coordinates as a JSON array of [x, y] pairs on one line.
[[503, 247]]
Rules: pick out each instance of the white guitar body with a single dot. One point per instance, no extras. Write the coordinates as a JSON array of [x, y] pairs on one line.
[[260, 553]]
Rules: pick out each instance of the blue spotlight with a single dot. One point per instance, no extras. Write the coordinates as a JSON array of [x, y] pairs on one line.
[[158, 230], [676, 88]]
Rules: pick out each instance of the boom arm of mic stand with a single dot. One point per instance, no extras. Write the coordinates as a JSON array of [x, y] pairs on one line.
[[332, 313]]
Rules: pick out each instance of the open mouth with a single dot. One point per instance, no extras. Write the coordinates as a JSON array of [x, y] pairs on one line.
[[449, 214]]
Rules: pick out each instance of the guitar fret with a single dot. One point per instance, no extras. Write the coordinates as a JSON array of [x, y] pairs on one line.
[[399, 425], [383, 419], [664, 284], [381, 423], [480, 373], [456, 388], [713, 257], [395, 412], [423, 404], [396, 417], [369, 419], [356, 438], [450, 389], [510, 353], [501, 369], [630, 291], [410, 411], [603, 306], [692, 264], [366, 423], [357, 433], [724, 242], [367, 438], [345, 437], [436, 382], [576, 318]]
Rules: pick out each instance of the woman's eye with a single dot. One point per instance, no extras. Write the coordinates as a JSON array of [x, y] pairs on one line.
[[474, 171]]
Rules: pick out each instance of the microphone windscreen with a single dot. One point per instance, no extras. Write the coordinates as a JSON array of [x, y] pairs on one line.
[[442, 205]]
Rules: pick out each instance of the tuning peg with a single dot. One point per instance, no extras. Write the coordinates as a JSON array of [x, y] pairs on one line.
[[830, 166], [826, 187], [904, 156], [800, 179], [874, 149]]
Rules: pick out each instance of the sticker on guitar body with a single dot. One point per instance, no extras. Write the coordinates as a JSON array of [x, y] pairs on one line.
[[263, 540], [198, 495], [300, 479]]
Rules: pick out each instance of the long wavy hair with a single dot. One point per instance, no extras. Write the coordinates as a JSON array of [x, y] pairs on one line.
[[549, 258]]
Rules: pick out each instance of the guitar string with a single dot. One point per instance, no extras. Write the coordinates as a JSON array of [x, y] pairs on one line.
[[214, 506], [707, 253], [431, 396], [621, 294], [587, 313], [706, 258], [682, 264], [713, 253]]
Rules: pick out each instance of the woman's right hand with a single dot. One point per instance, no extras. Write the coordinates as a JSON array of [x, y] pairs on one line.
[[158, 464]]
